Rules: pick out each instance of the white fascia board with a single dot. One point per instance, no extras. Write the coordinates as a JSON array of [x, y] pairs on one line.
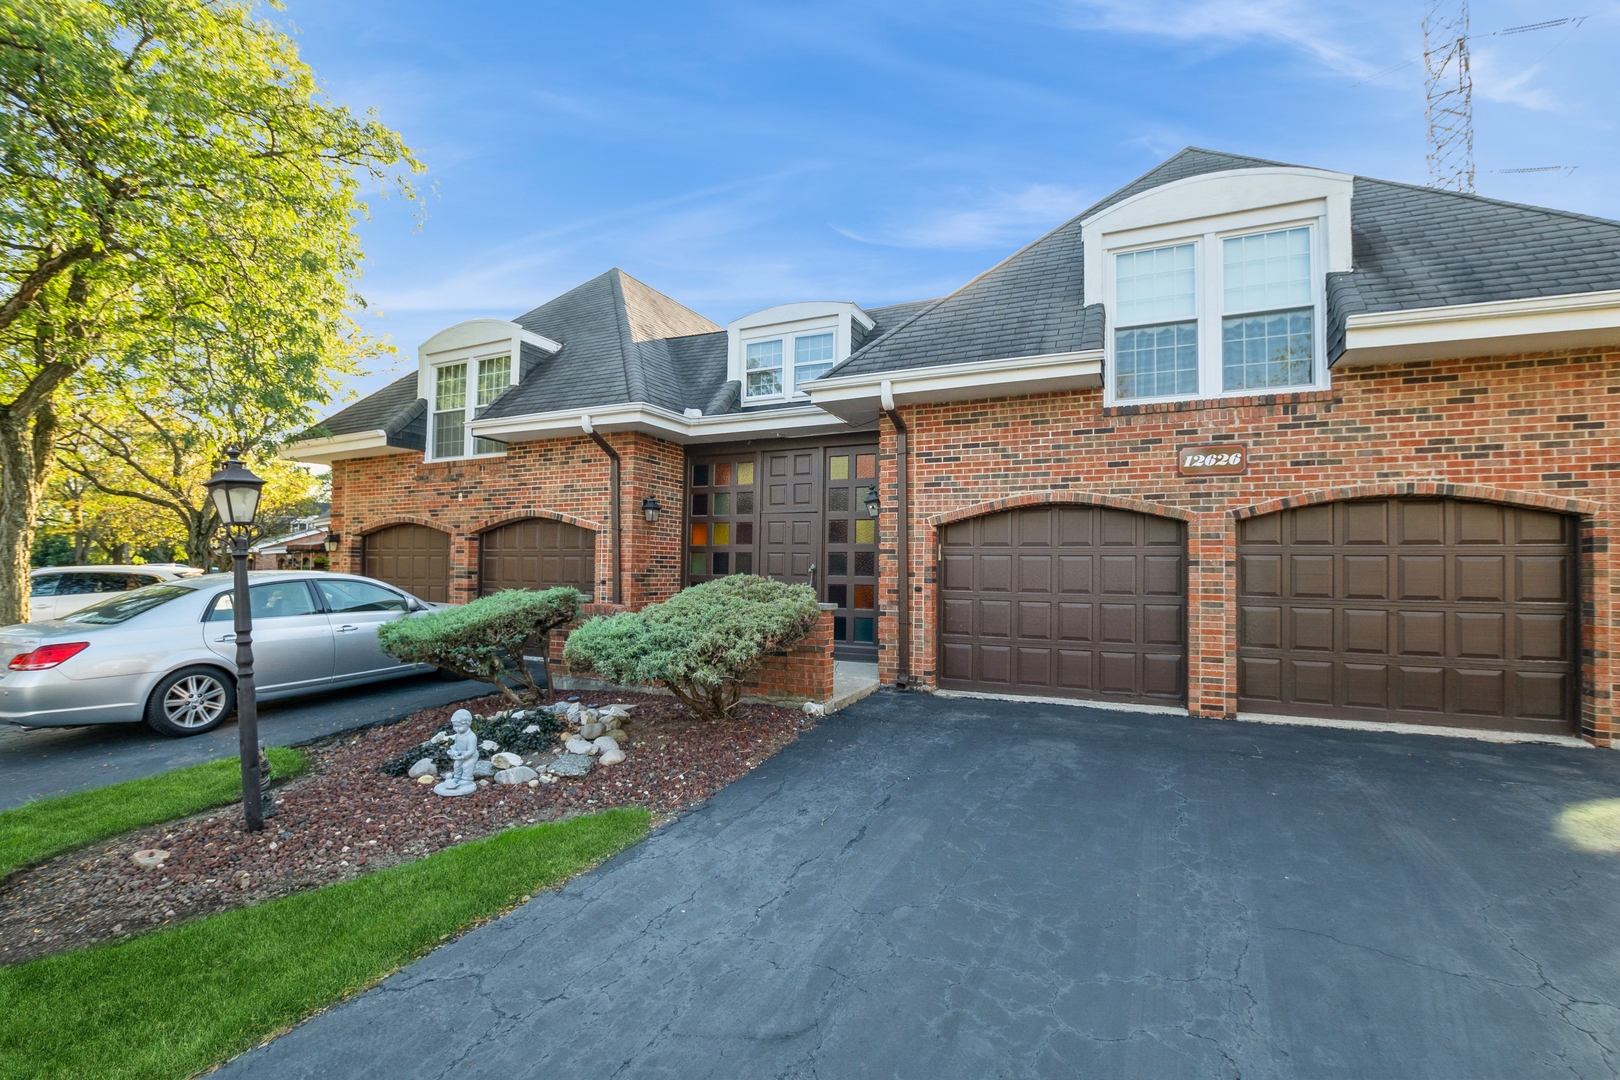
[[782, 314], [1537, 324], [341, 447], [661, 423], [857, 398]]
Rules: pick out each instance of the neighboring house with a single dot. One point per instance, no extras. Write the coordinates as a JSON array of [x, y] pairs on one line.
[[304, 548], [1242, 437]]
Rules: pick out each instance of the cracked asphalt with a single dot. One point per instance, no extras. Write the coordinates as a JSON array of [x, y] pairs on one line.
[[952, 888]]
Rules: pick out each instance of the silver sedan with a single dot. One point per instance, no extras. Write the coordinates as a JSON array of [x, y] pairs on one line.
[[166, 653]]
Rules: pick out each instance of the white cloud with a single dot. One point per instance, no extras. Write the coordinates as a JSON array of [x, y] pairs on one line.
[[1002, 218], [1491, 85], [1308, 27]]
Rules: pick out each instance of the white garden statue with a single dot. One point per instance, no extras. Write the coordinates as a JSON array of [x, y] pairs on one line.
[[463, 751]]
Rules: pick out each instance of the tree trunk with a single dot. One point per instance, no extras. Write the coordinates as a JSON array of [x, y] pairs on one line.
[[26, 446]]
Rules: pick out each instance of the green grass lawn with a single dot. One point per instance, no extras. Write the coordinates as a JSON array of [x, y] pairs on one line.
[[169, 1004], [33, 833]]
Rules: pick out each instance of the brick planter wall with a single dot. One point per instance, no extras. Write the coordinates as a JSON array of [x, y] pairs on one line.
[[803, 674], [563, 479], [1538, 430]]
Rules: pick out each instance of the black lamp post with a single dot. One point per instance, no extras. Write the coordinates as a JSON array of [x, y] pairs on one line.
[[235, 492]]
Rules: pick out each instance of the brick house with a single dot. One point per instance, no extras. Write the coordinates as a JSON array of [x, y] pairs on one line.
[[1242, 437]]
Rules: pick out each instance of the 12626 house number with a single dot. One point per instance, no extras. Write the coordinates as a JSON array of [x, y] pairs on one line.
[[1215, 459]]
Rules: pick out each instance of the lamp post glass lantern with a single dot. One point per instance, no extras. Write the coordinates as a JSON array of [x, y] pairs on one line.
[[235, 492]]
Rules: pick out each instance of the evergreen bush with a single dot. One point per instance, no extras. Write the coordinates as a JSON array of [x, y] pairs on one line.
[[702, 643], [485, 639]]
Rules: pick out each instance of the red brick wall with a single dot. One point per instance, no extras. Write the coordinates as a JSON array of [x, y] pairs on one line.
[[565, 479], [1541, 430]]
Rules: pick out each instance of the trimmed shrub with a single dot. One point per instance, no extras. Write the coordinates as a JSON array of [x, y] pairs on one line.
[[702, 643], [485, 639]]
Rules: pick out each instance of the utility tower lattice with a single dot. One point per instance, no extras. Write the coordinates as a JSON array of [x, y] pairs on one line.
[[1450, 88]]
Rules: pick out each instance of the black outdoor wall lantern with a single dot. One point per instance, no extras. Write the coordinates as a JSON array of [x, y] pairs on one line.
[[332, 542], [872, 502], [650, 508]]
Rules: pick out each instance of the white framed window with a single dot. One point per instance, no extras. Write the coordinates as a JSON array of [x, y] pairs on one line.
[[780, 367], [1217, 314], [487, 377]]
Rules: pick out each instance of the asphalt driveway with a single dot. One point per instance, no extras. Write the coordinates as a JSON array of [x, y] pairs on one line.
[[930, 888]]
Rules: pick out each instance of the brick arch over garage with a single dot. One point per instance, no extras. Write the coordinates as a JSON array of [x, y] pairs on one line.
[[1533, 500], [1058, 498], [509, 517]]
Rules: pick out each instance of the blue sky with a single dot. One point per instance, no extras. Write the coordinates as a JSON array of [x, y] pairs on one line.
[[740, 155]]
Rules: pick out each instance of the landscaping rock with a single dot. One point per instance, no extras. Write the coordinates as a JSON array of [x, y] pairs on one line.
[[426, 767], [489, 746], [611, 757], [428, 778], [604, 743], [577, 745], [521, 774], [505, 760], [572, 765], [150, 858], [483, 769], [591, 731], [531, 729]]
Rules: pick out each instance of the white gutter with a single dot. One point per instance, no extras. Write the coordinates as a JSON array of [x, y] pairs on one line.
[[1537, 324], [339, 447], [660, 422], [859, 398]]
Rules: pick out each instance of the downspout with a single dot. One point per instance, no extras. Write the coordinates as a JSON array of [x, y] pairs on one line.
[[617, 535], [902, 533]]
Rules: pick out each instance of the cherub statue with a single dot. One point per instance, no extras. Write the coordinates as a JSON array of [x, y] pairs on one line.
[[463, 751]]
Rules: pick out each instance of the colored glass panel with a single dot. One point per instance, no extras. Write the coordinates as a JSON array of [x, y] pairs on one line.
[[865, 630], [700, 563], [745, 562], [865, 466], [745, 472], [745, 502], [722, 504], [838, 467], [838, 563], [838, 499], [838, 532], [838, 594], [700, 533], [722, 475], [700, 503], [722, 533], [866, 596], [722, 562], [840, 625], [700, 476], [745, 532], [865, 531], [865, 563]]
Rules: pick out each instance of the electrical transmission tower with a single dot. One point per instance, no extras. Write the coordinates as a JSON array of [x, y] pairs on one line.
[[1450, 88]]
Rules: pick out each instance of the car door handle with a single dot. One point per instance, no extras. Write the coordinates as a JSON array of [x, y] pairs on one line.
[[226, 637], [346, 627]]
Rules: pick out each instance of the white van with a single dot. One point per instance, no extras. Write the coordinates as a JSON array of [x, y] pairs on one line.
[[61, 590]]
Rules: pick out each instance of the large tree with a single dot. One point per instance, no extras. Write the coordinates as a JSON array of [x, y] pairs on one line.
[[166, 167]]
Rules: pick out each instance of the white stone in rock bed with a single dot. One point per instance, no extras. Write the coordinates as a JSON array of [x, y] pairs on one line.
[[522, 774], [489, 745], [427, 778], [591, 730], [604, 743], [532, 729], [547, 778], [424, 767], [580, 746], [505, 760], [611, 757]]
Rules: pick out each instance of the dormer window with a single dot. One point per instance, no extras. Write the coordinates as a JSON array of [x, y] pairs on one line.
[[776, 353], [1216, 315], [1215, 285], [489, 376]]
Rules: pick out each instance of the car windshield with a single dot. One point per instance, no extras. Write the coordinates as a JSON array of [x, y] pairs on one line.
[[122, 607]]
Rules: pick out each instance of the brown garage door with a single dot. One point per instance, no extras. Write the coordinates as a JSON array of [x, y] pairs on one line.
[[1074, 601], [414, 557], [538, 553], [1413, 611]]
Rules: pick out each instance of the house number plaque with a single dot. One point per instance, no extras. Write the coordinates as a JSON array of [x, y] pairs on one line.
[[1212, 459]]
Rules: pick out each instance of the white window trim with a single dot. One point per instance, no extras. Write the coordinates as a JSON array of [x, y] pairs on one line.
[[473, 362], [786, 323], [1209, 285]]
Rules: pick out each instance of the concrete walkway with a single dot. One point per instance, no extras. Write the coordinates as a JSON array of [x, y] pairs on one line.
[[928, 888]]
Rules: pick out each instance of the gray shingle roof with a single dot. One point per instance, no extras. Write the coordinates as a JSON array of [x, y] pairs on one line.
[[395, 409]]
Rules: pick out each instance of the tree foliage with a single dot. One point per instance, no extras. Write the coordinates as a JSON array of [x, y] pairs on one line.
[[702, 643], [174, 187], [486, 639]]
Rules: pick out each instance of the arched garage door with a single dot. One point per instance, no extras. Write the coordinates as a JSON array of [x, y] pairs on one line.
[[414, 557], [537, 553], [1075, 601], [1427, 611]]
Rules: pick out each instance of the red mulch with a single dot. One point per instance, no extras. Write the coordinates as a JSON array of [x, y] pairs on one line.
[[344, 818]]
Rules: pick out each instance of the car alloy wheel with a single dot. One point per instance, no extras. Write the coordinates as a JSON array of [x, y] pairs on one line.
[[195, 701]]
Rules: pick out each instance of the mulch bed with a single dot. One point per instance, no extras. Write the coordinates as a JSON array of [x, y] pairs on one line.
[[344, 818]]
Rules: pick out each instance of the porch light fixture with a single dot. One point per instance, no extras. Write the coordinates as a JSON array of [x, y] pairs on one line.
[[332, 543], [872, 502], [235, 492], [650, 508]]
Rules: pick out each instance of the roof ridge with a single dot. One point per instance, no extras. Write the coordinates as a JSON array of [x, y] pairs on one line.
[[1488, 199], [635, 380]]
